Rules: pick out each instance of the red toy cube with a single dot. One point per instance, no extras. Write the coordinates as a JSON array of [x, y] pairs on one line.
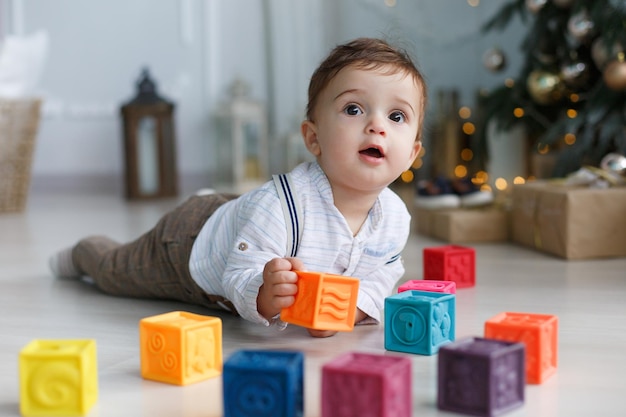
[[431, 285], [451, 263], [537, 331], [360, 384]]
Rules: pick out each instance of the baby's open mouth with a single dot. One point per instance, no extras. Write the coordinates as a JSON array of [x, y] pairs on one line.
[[373, 152]]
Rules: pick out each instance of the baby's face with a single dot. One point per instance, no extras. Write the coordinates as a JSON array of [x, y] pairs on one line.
[[365, 129]]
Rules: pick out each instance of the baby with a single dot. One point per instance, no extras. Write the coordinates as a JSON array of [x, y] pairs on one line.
[[363, 125]]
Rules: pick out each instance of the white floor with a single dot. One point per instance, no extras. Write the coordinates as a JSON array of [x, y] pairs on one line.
[[588, 297]]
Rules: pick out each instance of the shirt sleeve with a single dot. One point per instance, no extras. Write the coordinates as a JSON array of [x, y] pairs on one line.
[[259, 236]]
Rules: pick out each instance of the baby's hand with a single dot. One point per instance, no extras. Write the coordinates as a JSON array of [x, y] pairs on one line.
[[321, 333], [279, 286]]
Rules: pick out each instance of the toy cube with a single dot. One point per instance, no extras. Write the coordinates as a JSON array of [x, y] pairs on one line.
[[419, 321], [451, 263], [537, 331], [58, 377], [480, 377], [264, 384], [180, 348], [323, 302], [429, 285], [360, 384]]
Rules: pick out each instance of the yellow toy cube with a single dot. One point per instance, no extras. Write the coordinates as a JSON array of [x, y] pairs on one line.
[[58, 377], [323, 302], [180, 348]]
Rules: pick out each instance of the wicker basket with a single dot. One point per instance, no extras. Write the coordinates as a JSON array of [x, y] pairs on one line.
[[19, 121]]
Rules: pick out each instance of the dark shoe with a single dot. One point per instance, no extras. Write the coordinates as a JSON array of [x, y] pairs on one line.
[[469, 194], [436, 194]]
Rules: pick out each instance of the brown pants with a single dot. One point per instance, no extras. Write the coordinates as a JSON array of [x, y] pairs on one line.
[[156, 265]]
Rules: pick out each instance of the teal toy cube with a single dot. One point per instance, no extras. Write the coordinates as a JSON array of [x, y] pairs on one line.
[[419, 321]]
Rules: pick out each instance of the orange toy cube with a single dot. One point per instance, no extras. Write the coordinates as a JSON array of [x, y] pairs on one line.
[[537, 331], [180, 348], [323, 302]]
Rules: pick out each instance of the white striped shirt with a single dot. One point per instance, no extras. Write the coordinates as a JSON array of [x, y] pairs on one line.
[[237, 241]]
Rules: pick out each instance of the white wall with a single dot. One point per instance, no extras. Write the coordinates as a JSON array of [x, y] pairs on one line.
[[196, 48]]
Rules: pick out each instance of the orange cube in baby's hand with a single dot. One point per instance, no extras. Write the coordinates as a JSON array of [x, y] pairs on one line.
[[180, 348], [323, 302]]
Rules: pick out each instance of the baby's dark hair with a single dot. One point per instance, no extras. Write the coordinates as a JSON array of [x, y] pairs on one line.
[[366, 54]]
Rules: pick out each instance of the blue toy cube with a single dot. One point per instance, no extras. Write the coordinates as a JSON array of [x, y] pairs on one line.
[[419, 321], [481, 377], [264, 383]]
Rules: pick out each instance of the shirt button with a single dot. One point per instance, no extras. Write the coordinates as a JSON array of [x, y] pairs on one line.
[[242, 246]]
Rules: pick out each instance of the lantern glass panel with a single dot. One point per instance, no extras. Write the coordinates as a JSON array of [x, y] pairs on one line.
[[224, 154], [147, 155], [251, 140]]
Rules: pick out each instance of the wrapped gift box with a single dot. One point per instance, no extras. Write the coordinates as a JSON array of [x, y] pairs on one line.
[[570, 222], [487, 224]]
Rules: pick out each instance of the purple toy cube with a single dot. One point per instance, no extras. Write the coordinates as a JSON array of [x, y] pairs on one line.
[[481, 377], [451, 263], [448, 287], [360, 385]]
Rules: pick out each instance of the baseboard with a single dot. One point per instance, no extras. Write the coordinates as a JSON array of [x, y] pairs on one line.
[[107, 184]]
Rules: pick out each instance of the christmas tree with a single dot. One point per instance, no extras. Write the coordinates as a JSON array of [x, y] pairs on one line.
[[570, 94]]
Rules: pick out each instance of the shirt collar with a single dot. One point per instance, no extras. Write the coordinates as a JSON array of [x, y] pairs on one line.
[[320, 181]]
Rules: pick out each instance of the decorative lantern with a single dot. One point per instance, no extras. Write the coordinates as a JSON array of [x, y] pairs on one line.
[[149, 143], [243, 152]]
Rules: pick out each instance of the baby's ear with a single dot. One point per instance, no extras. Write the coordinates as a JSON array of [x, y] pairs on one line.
[[417, 147], [309, 135]]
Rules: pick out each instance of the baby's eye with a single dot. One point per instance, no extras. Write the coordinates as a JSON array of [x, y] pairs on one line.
[[397, 116], [352, 110]]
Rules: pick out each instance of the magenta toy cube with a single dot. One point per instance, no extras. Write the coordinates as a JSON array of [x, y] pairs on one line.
[[481, 377], [432, 285], [362, 384], [451, 263]]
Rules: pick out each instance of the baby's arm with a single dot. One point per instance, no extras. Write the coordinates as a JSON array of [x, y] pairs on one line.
[[279, 286], [279, 290]]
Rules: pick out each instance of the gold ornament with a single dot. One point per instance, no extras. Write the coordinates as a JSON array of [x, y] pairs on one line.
[[544, 87], [601, 54], [614, 74]]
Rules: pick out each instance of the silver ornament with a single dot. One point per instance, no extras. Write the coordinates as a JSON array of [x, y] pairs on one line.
[[534, 6], [614, 163], [574, 74], [494, 59], [580, 26]]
